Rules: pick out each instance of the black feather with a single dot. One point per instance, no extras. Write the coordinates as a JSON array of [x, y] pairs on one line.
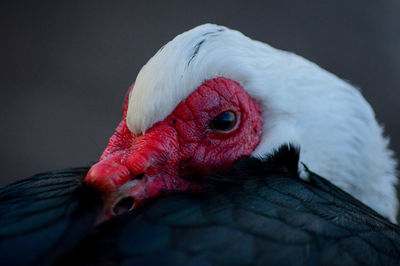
[[200, 43], [284, 161], [44, 217], [260, 212], [195, 51]]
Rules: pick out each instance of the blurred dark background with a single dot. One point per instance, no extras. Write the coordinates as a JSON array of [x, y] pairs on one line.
[[64, 68]]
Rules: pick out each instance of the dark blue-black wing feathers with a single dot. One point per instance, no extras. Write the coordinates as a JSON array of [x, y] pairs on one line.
[[44, 217], [260, 213]]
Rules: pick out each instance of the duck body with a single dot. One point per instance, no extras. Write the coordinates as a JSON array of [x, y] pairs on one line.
[[260, 212]]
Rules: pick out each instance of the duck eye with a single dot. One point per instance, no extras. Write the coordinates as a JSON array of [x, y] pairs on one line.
[[224, 121]]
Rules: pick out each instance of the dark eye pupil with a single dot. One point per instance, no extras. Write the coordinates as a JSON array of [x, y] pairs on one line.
[[224, 121]]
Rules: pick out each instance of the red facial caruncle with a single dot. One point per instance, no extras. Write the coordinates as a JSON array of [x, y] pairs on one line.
[[206, 133]]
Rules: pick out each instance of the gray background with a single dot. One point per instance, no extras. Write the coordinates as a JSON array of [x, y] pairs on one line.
[[65, 67]]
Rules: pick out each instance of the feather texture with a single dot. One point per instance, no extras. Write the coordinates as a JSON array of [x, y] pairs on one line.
[[43, 217], [261, 212], [301, 103]]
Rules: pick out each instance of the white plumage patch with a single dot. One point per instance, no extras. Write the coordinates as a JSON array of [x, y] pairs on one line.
[[301, 103]]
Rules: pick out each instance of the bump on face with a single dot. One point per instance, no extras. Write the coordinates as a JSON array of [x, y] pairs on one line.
[[207, 132]]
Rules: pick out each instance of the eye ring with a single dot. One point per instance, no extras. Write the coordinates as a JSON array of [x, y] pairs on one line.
[[224, 121]]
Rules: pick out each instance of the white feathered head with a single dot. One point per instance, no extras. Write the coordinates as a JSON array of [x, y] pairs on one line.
[[300, 103]]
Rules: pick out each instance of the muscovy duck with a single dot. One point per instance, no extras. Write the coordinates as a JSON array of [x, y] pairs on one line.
[[212, 95], [208, 98]]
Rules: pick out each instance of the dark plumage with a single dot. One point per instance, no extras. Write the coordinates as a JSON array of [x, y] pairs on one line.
[[260, 212], [44, 217]]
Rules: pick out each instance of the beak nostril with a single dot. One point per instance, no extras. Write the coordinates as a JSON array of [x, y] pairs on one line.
[[124, 205]]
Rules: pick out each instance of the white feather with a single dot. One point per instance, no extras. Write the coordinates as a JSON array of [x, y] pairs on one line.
[[301, 103]]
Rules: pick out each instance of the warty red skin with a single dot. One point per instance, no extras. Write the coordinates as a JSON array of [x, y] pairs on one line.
[[175, 154]]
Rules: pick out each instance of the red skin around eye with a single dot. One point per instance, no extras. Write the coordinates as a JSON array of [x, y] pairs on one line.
[[175, 154]]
